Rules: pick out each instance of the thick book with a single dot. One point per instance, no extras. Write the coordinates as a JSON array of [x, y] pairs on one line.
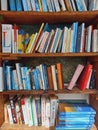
[[84, 77], [12, 5], [4, 5], [60, 76], [75, 76], [75, 108]]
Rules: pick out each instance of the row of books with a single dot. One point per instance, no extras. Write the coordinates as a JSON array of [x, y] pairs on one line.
[[31, 110], [74, 37], [72, 116], [49, 5], [41, 77], [84, 77]]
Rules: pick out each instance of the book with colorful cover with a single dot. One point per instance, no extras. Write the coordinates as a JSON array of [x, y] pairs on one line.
[[75, 108]]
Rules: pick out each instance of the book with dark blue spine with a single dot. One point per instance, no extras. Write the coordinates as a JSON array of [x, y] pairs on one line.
[[18, 5], [35, 73], [24, 3], [12, 5], [80, 37], [45, 74]]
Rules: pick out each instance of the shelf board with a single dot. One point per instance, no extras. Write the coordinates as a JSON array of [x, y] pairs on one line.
[[7, 126], [50, 17], [40, 92], [16, 56]]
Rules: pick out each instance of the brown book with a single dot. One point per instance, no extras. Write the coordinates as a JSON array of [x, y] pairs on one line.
[[60, 76], [68, 5], [50, 80]]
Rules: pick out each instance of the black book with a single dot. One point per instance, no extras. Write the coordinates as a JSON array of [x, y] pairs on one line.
[[92, 84]]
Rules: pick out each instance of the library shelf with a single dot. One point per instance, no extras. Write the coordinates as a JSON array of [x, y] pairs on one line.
[[7, 126]]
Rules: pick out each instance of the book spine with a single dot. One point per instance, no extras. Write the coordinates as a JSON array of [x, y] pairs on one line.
[[1, 79]]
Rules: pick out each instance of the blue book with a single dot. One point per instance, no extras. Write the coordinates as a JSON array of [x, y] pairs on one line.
[[74, 36], [72, 127], [18, 5], [9, 77], [35, 73], [24, 3], [44, 5], [37, 5], [45, 74], [79, 5], [28, 83], [60, 42], [75, 108], [12, 5]]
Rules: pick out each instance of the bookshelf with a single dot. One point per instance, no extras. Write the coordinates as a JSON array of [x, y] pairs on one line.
[[55, 17]]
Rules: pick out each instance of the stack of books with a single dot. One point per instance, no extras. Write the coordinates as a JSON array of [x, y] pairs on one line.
[[74, 116]]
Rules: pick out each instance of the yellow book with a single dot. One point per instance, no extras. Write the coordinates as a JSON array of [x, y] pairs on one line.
[[40, 5], [38, 35], [30, 43], [20, 46]]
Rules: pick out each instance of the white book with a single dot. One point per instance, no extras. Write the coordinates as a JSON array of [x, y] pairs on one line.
[[23, 105], [1, 79], [49, 5], [57, 6], [43, 42], [62, 5], [29, 5], [64, 39], [47, 122], [96, 5], [15, 78], [53, 68], [83, 5], [33, 5], [95, 41], [73, 5], [49, 40], [4, 5], [19, 75], [53, 111], [43, 109], [10, 114], [35, 112], [6, 38], [88, 38]]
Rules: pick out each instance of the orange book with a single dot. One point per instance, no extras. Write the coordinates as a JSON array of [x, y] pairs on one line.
[[50, 78], [84, 77], [60, 76]]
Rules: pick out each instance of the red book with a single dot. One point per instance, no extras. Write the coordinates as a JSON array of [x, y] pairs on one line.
[[84, 77]]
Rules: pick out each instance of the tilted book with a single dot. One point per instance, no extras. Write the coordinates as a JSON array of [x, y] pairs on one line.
[[76, 75]]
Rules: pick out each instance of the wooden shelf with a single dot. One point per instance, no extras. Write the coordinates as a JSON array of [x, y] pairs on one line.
[[50, 17], [7, 126], [40, 92], [16, 56]]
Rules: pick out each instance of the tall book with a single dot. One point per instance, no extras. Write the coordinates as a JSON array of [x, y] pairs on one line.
[[84, 77], [6, 38], [60, 76], [75, 76]]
